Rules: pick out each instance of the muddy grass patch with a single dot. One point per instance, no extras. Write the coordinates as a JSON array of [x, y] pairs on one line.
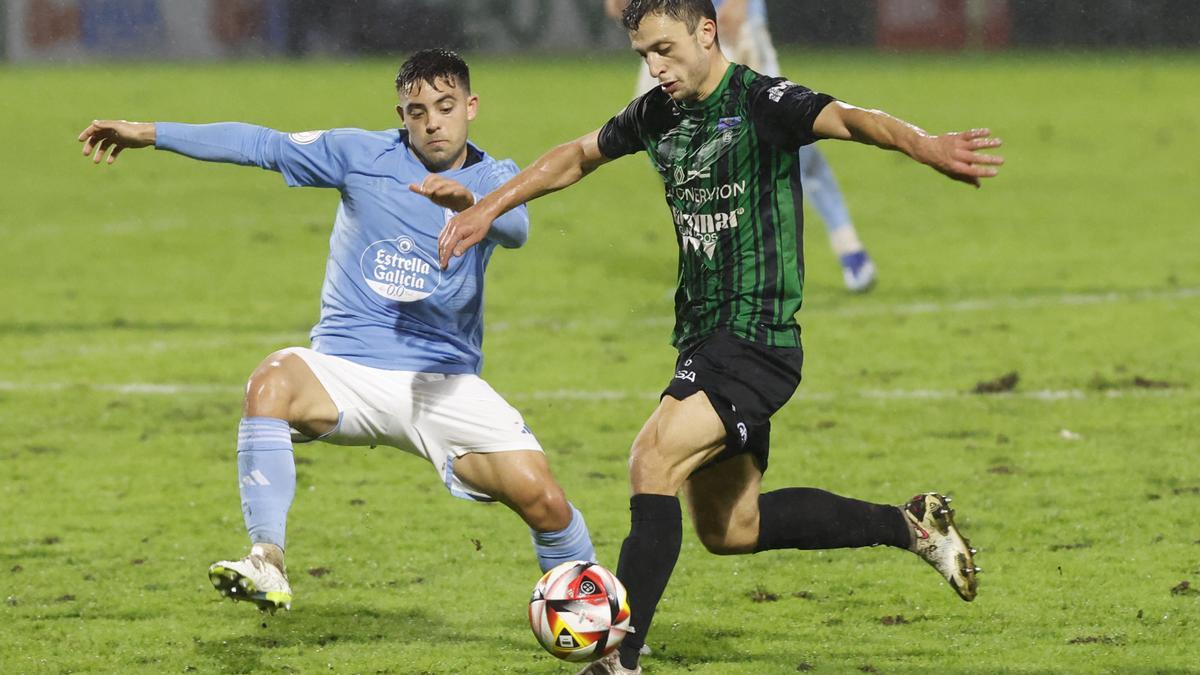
[[1005, 383]]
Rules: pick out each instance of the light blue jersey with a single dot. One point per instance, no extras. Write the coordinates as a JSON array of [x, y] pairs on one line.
[[386, 302], [755, 9]]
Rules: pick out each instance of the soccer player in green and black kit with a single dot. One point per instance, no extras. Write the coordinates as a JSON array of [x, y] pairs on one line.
[[724, 140]]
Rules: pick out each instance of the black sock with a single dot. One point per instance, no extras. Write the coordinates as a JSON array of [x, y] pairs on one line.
[[808, 518], [647, 559]]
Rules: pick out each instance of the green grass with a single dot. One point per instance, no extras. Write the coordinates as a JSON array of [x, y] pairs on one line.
[[1079, 268]]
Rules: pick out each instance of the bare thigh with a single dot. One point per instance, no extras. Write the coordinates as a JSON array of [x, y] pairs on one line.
[[679, 437], [522, 481]]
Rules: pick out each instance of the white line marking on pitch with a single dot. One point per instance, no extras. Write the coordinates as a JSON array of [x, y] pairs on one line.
[[601, 395], [1015, 302], [44, 350], [143, 388], [1045, 395], [907, 309]]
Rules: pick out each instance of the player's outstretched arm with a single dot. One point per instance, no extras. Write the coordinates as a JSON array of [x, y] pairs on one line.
[[559, 168], [958, 155], [311, 158], [104, 140]]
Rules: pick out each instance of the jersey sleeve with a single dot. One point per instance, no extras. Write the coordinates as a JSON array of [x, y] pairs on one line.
[[621, 135], [312, 158], [510, 230], [784, 112]]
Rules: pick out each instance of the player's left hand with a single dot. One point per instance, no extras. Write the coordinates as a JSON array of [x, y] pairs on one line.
[[462, 232], [959, 155], [445, 192]]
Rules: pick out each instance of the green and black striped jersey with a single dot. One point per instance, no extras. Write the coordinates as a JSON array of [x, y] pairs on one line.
[[733, 186]]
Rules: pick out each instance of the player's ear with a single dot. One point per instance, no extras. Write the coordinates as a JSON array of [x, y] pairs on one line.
[[472, 107], [706, 32], [400, 111]]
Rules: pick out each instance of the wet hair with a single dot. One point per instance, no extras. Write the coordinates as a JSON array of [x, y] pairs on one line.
[[690, 12], [431, 65]]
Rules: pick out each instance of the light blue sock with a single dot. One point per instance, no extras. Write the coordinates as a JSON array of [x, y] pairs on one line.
[[570, 543], [266, 477], [821, 188]]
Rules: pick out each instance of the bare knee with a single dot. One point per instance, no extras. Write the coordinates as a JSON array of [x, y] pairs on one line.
[[269, 391], [284, 387]]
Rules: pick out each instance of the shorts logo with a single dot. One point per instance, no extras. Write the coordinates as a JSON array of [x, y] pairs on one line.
[[686, 375], [742, 433], [306, 137], [398, 270]]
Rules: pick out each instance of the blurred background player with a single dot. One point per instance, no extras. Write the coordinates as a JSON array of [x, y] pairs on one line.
[[395, 356], [745, 39]]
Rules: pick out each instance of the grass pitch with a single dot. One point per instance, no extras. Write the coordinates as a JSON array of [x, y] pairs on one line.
[[138, 298]]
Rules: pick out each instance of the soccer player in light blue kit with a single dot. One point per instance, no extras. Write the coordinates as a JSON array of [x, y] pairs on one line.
[[395, 356], [746, 40]]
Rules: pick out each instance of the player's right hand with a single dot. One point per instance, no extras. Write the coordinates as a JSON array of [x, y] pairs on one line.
[[462, 232], [103, 136]]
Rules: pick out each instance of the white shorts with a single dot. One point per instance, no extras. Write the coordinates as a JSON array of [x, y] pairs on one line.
[[432, 415]]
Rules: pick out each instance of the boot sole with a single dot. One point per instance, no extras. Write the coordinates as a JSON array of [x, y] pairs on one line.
[[233, 585], [944, 518]]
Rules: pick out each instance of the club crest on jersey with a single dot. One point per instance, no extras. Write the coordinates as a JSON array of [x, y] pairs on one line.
[[728, 123], [398, 270]]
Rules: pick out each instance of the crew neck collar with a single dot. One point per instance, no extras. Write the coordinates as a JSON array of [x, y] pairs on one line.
[[714, 98]]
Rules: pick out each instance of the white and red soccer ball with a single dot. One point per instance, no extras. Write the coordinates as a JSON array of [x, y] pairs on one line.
[[578, 611]]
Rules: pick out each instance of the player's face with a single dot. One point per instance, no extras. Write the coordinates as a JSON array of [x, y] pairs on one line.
[[679, 59], [437, 117]]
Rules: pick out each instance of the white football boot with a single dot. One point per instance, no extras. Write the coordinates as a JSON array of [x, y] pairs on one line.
[[609, 665], [938, 542], [252, 578]]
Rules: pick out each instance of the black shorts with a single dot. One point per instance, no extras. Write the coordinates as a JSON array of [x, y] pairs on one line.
[[746, 383]]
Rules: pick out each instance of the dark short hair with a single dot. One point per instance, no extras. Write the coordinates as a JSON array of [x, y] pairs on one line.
[[431, 65], [690, 12]]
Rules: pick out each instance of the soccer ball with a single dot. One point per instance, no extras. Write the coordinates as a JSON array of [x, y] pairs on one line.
[[578, 611]]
